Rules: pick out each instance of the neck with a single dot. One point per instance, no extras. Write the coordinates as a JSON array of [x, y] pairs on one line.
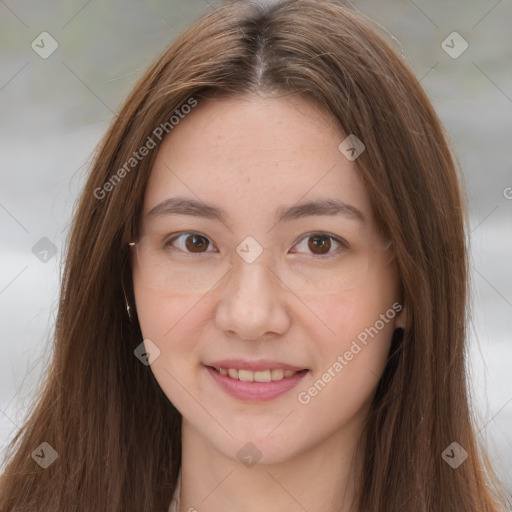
[[320, 479]]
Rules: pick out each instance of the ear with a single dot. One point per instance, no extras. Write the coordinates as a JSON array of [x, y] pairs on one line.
[[400, 320]]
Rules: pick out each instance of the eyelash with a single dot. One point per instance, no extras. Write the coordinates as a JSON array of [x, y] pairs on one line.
[[343, 244]]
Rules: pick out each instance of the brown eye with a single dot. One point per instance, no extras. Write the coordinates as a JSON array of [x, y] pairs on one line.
[[319, 244], [195, 243], [190, 243]]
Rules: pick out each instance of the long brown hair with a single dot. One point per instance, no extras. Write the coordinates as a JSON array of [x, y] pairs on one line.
[[117, 436]]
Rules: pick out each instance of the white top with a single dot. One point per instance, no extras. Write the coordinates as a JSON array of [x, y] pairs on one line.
[[175, 501]]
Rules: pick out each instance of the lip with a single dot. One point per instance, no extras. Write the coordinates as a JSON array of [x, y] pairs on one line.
[[255, 366], [255, 391]]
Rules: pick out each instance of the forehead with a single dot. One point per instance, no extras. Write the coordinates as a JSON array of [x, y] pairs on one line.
[[254, 153]]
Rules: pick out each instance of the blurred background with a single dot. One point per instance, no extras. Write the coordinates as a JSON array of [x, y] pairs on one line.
[[65, 69]]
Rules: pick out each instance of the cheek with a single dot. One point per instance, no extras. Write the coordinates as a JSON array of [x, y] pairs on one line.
[[160, 315], [360, 315], [352, 358], [172, 323]]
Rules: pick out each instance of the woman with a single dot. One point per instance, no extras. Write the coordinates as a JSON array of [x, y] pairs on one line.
[[264, 300]]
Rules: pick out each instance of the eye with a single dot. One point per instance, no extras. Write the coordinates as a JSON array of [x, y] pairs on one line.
[[189, 242], [320, 244]]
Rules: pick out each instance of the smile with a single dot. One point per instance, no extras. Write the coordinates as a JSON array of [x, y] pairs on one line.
[[255, 385], [257, 376]]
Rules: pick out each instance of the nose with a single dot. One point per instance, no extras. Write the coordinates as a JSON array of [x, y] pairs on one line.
[[252, 302]]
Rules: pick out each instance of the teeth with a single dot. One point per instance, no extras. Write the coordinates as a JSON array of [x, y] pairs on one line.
[[245, 375], [258, 376], [263, 376], [277, 374]]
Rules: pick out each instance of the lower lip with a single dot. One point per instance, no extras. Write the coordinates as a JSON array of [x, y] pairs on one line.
[[255, 391]]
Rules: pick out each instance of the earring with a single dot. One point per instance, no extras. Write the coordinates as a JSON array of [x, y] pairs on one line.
[[128, 309]]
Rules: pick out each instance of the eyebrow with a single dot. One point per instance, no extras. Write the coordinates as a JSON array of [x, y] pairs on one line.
[[322, 207]]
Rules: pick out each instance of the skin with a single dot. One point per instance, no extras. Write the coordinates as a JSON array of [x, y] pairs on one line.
[[249, 155]]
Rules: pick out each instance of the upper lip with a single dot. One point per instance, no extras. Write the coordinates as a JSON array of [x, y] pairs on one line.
[[260, 365]]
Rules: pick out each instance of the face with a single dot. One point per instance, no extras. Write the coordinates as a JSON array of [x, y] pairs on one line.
[[248, 278]]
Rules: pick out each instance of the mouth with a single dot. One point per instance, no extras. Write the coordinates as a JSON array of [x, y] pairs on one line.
[[269, 375], [255, 386]]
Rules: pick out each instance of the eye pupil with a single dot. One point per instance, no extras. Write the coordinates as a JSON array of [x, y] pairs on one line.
[[319, 242], [199, 242]]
